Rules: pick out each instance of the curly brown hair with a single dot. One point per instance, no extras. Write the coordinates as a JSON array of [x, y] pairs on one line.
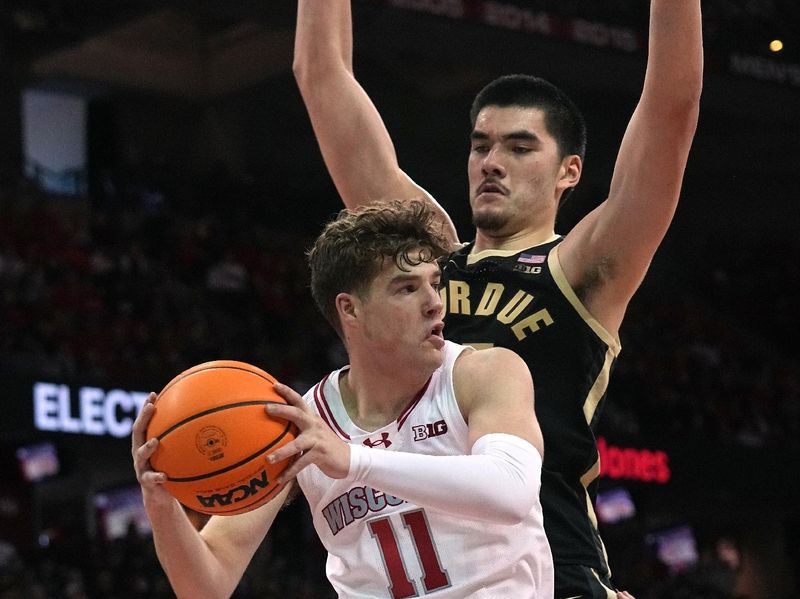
[[352, 248]]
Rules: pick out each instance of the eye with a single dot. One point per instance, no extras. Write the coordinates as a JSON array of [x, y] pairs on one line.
[[521, 150], [480, 149]]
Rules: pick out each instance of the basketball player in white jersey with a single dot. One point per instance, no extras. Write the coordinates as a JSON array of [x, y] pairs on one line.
[[420, 464]]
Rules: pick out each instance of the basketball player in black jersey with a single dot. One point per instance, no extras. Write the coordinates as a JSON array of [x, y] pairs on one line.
[[557, 301]]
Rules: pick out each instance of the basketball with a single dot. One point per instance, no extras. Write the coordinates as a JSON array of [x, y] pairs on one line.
[[214, 437]]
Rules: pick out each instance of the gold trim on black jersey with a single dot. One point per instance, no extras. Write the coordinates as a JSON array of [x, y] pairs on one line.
[[561, 280], [474, 257]]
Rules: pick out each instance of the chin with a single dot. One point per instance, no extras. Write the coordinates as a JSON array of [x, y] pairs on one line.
[[428, 360], [436, 358], [487, 220]]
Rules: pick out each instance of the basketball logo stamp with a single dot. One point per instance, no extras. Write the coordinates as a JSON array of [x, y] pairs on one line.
[[211, 442]]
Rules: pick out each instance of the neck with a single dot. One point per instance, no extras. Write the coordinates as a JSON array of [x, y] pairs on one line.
[[374, 399], [488, 240]]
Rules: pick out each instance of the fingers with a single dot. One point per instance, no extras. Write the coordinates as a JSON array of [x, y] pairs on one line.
[[141, 463], [139, 430], [317, 445], [294, 469], [142, 448], [151, 477], [145, 451], [292, 397], [285, 452], [624, 595]]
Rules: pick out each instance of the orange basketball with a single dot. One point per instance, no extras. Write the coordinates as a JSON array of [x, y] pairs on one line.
[[214, 437]]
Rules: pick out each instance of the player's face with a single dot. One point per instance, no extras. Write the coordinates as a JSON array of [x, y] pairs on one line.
[[402, 316], [514, 170]]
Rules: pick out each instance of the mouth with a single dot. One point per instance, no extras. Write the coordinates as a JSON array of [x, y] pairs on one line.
[[491, 187], [435, 335]]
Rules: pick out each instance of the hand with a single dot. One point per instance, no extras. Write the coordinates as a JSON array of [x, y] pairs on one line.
[[142, 449], [316, 443], [625, 595]]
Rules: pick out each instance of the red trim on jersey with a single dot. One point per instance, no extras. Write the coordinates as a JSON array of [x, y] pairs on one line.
[[407, 412], [325, 411], [320, 409]]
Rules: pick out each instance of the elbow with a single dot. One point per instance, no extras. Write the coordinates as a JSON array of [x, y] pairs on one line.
[[309, 64], [513, 516], [679, 113], [313, 65], [689, 102], [684, 116], [676, 100], [302, 70], [516, 507]]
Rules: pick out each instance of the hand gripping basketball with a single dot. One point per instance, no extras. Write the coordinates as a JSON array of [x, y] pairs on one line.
[[212, 438], [142, 449], [316, 443]]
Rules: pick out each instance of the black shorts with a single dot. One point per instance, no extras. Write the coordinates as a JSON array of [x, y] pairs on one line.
[[581, 582]]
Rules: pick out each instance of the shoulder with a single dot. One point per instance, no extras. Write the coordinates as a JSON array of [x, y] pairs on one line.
[[478, 371], [480, 362]]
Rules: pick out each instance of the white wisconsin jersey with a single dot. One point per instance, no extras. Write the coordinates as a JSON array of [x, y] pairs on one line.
[[382, 546]]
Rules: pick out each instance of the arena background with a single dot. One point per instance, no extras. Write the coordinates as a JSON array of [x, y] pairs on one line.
[[159, 181]]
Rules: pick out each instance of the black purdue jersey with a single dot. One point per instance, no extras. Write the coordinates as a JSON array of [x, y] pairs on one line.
[[522, 301]]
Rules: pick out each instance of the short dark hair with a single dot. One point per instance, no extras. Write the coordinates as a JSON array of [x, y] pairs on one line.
[[562, 117], [352, 248]]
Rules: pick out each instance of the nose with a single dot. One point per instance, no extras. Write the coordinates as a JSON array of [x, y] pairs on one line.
[[433, 303], [492, 164]]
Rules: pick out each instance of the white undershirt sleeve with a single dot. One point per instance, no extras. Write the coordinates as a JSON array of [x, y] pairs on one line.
[[498, 482]]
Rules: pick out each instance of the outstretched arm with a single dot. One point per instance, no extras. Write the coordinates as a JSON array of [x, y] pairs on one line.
[[606, 255], [198, 564], [355, 144]]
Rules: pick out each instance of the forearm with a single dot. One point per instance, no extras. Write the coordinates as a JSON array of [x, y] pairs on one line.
[[498, 482], [323, 39], [675, 54], [185, 557], [352, 137]]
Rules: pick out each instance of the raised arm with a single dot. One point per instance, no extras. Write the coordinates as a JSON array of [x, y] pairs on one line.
[[199, 565], [606, 255], [355, 144]]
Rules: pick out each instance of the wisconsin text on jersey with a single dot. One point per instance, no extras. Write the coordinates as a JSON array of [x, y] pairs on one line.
[[355, 504]]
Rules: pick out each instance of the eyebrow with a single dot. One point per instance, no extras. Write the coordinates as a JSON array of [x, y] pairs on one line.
[[521, 134], [399, 278], [405, 277]]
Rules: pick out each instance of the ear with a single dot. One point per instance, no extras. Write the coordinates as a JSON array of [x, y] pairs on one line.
[[348, 309], [569, 173]]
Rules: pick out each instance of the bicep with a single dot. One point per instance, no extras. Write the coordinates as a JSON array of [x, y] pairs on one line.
[[610, 250], [498, 396]]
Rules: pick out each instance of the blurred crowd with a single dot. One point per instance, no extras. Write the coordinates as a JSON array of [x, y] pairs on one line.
[[137, 291], [713, 355]]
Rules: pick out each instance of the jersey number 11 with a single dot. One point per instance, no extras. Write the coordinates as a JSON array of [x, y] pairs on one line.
[[434, 577]]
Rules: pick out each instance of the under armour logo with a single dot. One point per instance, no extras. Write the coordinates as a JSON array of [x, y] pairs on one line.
[[384, 440]]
